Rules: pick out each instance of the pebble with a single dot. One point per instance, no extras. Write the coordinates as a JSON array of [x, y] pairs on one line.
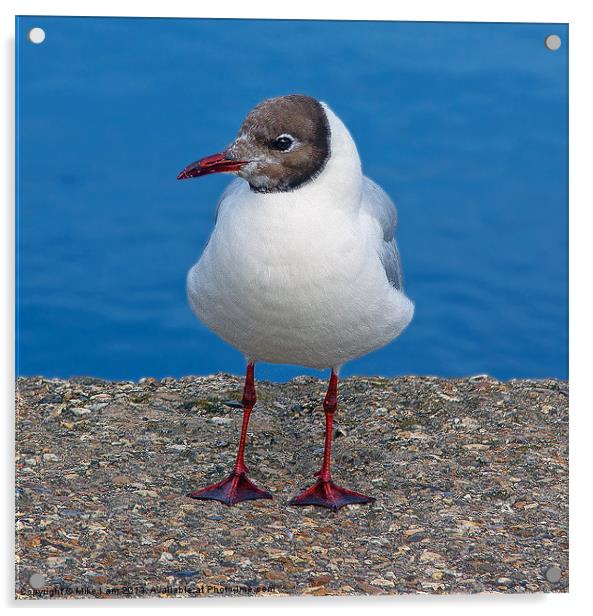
[[80, 411], [221, 421], [382, 582]]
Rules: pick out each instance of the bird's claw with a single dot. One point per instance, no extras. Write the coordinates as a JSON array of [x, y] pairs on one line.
[[235, 488]]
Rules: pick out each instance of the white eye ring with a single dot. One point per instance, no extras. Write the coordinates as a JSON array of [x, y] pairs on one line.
[[286, 136]]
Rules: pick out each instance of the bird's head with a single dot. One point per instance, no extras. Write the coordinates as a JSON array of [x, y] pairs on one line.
[[283, 143]]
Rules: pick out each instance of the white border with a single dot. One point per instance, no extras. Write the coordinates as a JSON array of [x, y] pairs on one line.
[[574, 12]]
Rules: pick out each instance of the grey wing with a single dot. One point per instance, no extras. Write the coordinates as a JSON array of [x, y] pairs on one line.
[[382, 209]]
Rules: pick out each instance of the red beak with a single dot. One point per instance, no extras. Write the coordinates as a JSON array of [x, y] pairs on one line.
[[217, 163]]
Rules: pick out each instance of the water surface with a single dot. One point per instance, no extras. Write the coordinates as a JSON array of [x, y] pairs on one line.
[[465, 125]]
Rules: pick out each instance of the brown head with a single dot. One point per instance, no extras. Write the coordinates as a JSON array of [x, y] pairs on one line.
[[283, 143]]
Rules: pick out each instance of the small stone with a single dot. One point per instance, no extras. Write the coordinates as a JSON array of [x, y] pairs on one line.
[[234, 404], [382, 582], [427, 555], [433, 585], [416, 537], [221, 421], [80, 411], [150, 493], [101, 397]]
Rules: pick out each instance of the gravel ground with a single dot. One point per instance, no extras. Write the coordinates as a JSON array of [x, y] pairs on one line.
[[470, 476]]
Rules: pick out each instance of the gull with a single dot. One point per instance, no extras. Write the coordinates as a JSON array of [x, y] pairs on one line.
[[302, 266]]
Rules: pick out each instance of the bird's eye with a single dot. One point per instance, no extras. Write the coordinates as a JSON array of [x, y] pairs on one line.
[[283, 143]]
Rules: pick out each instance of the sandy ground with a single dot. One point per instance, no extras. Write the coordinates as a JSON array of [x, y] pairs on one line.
[[470, 476]]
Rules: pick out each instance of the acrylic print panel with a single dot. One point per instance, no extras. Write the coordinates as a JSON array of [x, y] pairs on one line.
[[464, 127]]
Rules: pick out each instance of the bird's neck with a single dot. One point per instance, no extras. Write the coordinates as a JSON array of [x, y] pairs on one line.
[[342, 174]]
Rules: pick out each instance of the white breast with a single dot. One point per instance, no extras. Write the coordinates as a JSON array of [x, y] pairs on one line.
[[296, 277]]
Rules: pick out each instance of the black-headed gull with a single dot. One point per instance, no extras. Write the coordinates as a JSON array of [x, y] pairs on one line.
[[301, 267]]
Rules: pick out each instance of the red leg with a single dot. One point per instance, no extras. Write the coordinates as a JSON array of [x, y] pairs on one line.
[[237, 487], [324, 492]]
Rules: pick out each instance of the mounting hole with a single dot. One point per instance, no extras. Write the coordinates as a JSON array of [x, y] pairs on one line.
[[37, 581], [553, 574], [37, 35], [553, 42]]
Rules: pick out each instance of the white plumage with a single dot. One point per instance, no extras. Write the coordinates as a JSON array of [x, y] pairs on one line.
[[309, 276]]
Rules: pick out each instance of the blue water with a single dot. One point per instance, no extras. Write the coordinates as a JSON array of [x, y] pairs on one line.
[[465, 125]]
